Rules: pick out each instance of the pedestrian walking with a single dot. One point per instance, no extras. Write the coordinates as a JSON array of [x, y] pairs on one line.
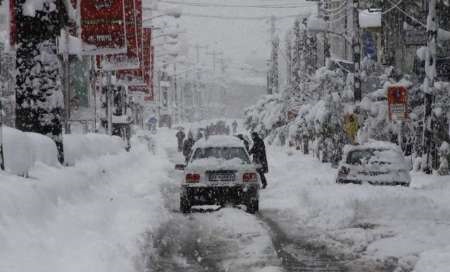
[[187, 146], [258, 151], [234, 125], [180, 139]]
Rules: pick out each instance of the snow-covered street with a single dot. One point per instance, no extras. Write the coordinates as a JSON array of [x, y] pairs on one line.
[[384, 226], [121, 213]]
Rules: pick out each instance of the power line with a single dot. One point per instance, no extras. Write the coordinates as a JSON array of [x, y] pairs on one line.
[[187, 14], [211, 5]]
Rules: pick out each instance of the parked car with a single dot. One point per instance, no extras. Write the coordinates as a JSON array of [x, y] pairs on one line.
[[376, 162], [219, 171]]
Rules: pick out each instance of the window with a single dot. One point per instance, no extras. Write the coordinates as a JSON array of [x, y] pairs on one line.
[[226, 153]]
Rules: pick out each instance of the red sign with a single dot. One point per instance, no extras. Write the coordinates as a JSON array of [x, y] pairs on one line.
[[398, 103], [135, 76], [102, 27], [12, 23], [129, 60]]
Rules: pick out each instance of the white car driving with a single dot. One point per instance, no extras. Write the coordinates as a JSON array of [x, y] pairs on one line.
[[219, 171]]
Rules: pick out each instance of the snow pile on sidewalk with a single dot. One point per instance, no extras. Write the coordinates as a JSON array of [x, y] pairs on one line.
[[381, 224], [79, 147], [23, 149], [88, 217]]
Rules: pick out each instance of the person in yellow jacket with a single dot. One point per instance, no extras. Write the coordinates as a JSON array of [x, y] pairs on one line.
[[351, 127]]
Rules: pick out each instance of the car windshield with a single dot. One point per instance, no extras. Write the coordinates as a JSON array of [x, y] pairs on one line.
[[373, 156], [226, 153]]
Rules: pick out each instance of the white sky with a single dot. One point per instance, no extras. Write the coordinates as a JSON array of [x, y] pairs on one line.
[[238, 39]]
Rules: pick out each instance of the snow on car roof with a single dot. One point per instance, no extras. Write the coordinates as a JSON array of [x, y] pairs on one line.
[[373, 144], [219, 141]]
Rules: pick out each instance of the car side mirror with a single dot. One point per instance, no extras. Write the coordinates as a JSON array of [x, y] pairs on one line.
[[180, 167]]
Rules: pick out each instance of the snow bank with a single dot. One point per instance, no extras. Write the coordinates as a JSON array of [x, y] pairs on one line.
[[23, 150], [43, 149], [78, 147], [18, 151], [90, 217]]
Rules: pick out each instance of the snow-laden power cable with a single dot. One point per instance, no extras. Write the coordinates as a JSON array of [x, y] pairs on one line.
[[336, 13], [337, 19], [187, 14], [344, 4], [212, 5], [405, 13], [393, 7]]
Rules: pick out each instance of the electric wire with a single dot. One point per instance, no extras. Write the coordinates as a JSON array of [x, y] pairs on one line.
[[338, 8], [212, 5], [187, 14]]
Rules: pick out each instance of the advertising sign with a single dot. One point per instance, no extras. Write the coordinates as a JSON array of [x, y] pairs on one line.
[[443, 68], [398, 103], [129, 60], [135, 76], [12, 23], [415, 37], [102, 27]]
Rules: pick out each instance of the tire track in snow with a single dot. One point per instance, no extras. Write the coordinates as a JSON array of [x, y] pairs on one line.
[[220, 240]]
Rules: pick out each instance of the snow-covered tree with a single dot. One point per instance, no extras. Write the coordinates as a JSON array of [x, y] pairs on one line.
[[39, 98]]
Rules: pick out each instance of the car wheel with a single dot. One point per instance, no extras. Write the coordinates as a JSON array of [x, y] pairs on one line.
[[253, 206], [185, 205]]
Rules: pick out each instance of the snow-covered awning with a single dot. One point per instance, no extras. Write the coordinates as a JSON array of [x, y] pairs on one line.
[[369, 19]]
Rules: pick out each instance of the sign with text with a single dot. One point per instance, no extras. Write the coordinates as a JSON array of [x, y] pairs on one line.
[[129, 60], [12, 23], [103, 27], [398, 103], [147, 59], [135, 77]]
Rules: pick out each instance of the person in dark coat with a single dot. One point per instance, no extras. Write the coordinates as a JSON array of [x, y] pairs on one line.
[[246, 144], [258, 151], [187, 146], [234, 125], [180, 138]]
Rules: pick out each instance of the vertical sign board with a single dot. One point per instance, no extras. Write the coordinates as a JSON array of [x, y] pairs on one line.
[[12, 23], [398, 103], [135, 76], [147, 56], [103, 27], [129, 60]]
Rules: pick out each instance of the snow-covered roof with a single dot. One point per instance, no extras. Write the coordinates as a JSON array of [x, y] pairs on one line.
[[368, 19], [219, 141]]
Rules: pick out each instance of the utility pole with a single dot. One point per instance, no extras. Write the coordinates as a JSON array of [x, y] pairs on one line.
[[109, 101], [323, 6], [66, 71], [214, 53], [356, 46], [430, 75], [197, 91], [272, 82], [2, 158]]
